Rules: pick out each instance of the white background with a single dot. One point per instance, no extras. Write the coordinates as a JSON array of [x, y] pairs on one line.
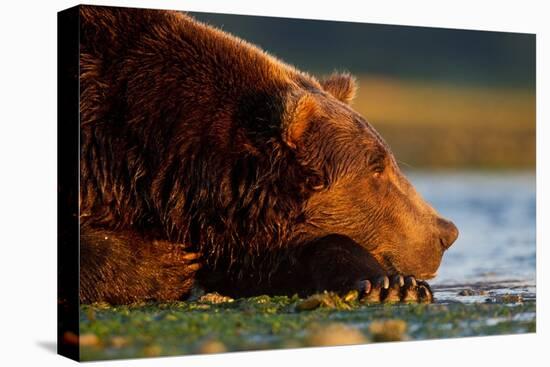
[[28, 181]]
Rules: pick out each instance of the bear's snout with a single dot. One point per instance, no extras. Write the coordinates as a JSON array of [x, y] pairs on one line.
[[448, 232]]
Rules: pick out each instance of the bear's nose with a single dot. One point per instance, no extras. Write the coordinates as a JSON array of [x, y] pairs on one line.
[[448, 232]]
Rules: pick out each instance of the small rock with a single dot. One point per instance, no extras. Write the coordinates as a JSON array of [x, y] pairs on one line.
[[472, 292], [388, 330], [88, 340], [505, 298], [325, 300], [214, 298], [119, 341], [152, 350], [212, 347], [335, 334]]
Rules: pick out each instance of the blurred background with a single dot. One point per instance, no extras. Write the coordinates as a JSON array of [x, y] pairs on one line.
[[442, 98]]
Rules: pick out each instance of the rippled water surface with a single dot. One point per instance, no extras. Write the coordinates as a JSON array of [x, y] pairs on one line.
[[495, 213]]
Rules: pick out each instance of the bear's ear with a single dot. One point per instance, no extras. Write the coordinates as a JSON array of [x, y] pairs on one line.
[[342, 86], [298, 115]]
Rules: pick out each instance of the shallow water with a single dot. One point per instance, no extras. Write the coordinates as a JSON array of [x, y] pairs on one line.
[[495, 252]]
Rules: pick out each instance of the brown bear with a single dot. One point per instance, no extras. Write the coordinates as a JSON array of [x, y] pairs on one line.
[[204, 160]]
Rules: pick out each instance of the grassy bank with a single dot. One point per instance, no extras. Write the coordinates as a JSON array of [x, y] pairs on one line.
[[281, 322]]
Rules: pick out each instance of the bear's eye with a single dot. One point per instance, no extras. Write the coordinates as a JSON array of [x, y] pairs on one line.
[[376, 163], [318, 187], [316, 183], [377, 170]]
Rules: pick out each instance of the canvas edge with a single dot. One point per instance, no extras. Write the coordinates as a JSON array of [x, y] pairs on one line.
[[68, 152]]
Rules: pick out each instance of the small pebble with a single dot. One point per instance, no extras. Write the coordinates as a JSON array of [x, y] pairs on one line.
[[388, 330], [505, 298], [212, 347], [152, 350], [214, 298], [88, 340], [472, 292], [119, 341], [335, 334]]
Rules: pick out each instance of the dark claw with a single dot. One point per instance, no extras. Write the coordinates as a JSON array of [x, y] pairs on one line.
[[368, 286], [365, 286], [376, 295], [409, 295], [398, 280], [398, 289], [194, 267], [393, 294], [425, 293], [383, 282], [410, 281], [373, 296], [190, 256], [425, 284]]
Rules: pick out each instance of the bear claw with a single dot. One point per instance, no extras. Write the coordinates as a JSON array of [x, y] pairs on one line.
[[399, 289], [425, 292], [377, 286], [398, 279], [410, 281], [177, 255]]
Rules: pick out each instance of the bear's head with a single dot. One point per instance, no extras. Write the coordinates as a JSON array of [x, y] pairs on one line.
[[359, 190]]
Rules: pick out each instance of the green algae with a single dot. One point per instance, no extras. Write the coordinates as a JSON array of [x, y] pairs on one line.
[[153, 329]]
